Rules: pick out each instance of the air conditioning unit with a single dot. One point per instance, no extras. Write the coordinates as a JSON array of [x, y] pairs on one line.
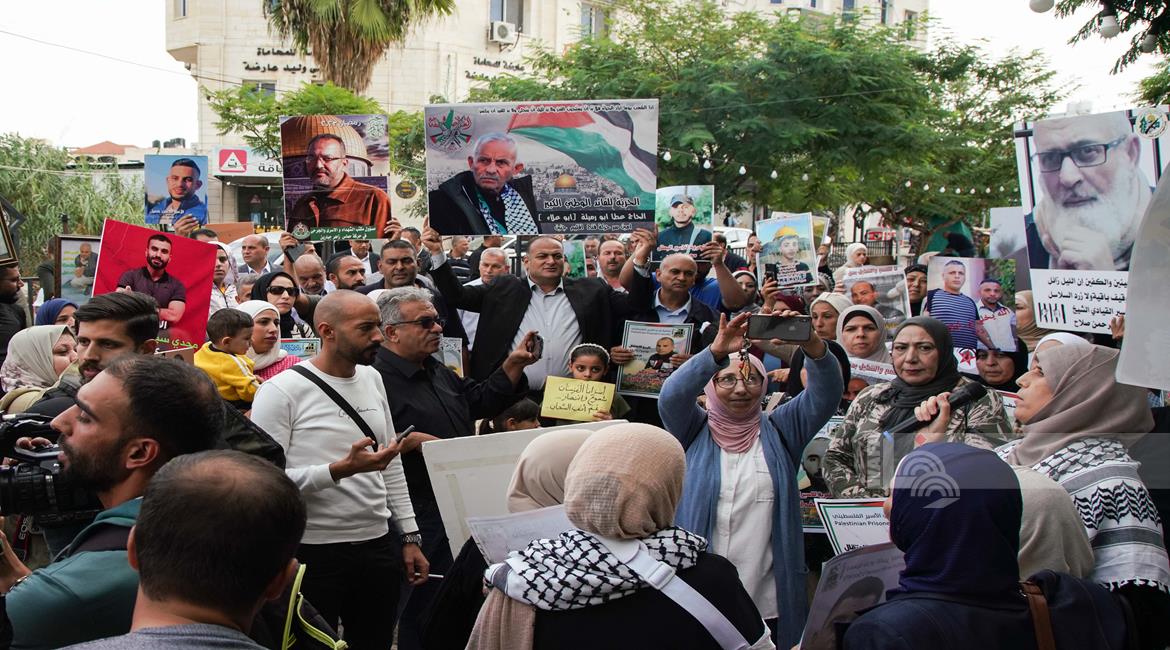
[[502, 33]]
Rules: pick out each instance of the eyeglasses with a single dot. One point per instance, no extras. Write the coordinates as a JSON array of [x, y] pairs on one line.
[[325, 159], [729, 381], [276, 291], [1088, 155], [426, 322]]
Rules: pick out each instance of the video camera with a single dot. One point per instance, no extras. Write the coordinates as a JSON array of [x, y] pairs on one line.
[[34, 485]]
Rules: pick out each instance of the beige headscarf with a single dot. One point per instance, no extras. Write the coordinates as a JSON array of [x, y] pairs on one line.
[[1087, 402], [1051, 533], [30, 358], [1029, 332], [539, 478]]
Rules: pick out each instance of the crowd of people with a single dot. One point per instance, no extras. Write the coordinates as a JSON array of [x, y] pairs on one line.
[[253, 474]]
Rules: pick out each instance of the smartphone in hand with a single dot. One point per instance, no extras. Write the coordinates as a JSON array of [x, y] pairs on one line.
[[785, 328]]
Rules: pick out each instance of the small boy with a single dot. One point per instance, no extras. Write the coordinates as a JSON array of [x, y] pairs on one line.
[[229, 332]]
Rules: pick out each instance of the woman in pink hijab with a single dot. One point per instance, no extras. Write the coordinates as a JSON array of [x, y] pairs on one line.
[[740, 487]]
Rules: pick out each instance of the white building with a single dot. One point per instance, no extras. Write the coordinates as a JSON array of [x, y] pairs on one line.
[[227, 42]]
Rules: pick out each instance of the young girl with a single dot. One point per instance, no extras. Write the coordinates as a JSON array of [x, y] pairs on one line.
[[590, 362], [524, 414]]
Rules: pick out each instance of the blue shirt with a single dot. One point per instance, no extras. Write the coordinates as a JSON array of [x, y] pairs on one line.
[[190, 206], [959, 313], [665, 315]]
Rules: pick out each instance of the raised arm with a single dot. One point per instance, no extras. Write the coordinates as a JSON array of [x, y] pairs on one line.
[[730, 292], [467, 298]]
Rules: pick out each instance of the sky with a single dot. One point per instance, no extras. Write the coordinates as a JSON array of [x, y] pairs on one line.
[[75, 98]]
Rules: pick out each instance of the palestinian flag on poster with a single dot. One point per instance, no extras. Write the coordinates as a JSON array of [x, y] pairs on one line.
[[601, 141]]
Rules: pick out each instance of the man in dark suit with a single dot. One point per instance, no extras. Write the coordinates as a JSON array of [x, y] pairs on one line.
[[489, 197], [564, 311]]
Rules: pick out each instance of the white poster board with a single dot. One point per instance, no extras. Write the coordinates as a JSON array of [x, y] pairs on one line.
[[1147, 333], [470, 476], [498, 536], [853, 523], [850, 582]]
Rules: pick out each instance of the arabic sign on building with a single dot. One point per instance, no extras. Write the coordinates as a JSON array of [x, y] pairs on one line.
[[242, 161]]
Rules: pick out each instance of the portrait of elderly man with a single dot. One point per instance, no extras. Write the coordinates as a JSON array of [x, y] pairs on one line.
[[489, 198], [336, 200], [1094, 193]]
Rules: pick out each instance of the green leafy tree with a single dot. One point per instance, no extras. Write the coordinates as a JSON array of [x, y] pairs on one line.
[[347, 38], [1147, 22], [37, 179], [1155, 89]]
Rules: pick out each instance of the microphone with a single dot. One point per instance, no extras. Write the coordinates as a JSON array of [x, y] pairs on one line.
[[958, 399]]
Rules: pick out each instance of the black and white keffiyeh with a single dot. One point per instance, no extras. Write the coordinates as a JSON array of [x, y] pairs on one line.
[[517, 219], [576, 570]]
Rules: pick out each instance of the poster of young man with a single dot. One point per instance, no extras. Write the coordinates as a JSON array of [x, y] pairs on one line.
[[975, 298], [655, 346], [175, 188], [850, 583], [1085, 183], [683, 215], [788, 250], [175, 271], [880, 287], [542, 167], [335, 170]]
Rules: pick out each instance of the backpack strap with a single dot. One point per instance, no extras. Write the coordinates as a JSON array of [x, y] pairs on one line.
[[1038, 604], [339, 400], [108, 537]]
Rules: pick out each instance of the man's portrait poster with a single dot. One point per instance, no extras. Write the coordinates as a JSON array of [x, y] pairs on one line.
[[975, 298], [788, 250], [1085, 184], [335, 170], [683, 215], [655, 346], [880, 287], [176, 187], [76, 267], [175, 271], [541, 167]]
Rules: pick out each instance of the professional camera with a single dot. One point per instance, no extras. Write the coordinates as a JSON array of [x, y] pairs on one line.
[[33, 485]]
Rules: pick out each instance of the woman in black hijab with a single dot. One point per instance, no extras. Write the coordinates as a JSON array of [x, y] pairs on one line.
[[999, 369], [279, 289]]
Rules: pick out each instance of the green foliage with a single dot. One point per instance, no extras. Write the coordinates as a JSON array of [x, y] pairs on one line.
[[1154, 90], [36, 179]]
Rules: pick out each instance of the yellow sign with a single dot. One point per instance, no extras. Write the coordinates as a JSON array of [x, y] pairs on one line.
[[575, 399]]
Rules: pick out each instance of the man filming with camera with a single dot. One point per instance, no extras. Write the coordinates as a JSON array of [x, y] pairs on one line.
[[128, 421]]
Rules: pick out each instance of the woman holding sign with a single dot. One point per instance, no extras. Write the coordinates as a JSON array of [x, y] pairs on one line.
[[740, 490]]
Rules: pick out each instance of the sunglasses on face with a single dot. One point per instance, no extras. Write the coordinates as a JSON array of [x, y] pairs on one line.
[[426, 322], [276, 291]]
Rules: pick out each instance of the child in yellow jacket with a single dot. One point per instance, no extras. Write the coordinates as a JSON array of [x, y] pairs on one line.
[[223, 357]]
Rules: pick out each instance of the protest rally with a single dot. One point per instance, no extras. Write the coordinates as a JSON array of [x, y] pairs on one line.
[[518, 325]]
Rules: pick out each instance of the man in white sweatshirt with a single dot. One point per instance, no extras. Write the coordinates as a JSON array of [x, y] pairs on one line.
[[352, 484]]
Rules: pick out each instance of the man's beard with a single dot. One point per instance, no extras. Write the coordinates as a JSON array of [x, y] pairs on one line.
[[1107, 215], [98, 473], [156, 263]]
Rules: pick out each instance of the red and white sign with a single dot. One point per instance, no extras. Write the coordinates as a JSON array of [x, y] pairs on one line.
[[233, 161]]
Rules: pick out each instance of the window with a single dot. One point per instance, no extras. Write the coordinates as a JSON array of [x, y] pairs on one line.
[[910, 24], [509, 11], [180, 8], [847, 10], [266, 87], [887, 10], [594, 21]]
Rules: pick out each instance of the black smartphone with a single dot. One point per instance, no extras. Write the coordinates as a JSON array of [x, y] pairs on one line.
[[786, 328], [536, 346]]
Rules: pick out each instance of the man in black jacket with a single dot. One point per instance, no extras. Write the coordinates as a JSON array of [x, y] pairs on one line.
[[564, 311], [488, 198], [12, 316]]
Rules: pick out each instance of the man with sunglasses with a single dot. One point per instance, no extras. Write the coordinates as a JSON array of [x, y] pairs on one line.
[[398, 264], [1095, 193], [440, 404]]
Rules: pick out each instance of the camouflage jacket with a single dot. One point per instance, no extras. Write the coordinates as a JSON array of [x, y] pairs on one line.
[[860, 461]]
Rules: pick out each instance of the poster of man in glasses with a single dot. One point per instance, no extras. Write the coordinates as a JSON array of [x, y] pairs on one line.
[[1085, 183]]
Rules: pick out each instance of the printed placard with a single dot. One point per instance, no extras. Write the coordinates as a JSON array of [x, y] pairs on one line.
[[684, 215], [76, 267], [302, 348], [850, 583], [496, 537], [1086, 181], [853, 523], [654, 345], [450, 354], [542, 167], [880, 287], [971, 296], [788, 250], [1147, 329], [574, 258], [175, 188], [575, 399], [334, 169], [175, 271]]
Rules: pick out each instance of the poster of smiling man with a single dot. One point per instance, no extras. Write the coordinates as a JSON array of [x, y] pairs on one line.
[[542, 167], [175, 188], [683, 215], [1085, 183], [335, 170]]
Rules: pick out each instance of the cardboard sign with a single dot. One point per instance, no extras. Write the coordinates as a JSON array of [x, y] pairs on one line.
[[853, 523], [575, 399], [653, 344], [1147, 330]]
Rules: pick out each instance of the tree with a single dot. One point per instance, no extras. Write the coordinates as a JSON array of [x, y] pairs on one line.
[[1154, 90], [1148, 19], [347, 38], [36, 178]]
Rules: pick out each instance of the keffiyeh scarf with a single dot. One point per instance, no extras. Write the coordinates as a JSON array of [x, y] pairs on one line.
[[576, 570], [517, 219]]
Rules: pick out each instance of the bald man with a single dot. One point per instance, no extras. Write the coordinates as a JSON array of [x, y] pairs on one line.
[[1095, 193], [310, 274]]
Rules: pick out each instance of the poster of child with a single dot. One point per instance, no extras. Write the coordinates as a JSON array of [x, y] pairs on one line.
[[788, 252], [654, 346]]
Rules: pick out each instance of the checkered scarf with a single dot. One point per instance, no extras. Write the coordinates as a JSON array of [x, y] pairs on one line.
[[517, 219], [576, 570]]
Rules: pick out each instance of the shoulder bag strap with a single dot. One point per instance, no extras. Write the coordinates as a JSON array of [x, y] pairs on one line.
[[345, 406], [1040, 618]]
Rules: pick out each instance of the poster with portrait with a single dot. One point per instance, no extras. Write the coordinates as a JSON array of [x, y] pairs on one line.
[[176, 187], [1085, 183], [566, 167], [1009, 242], [975, 298], [880, 287], [1147, 328], [450, 354], [788, 250], [575, 258], [850, 582], [76, 267], [654, 346], [683, 215], [820, 231], [335, 170], [175, 271]]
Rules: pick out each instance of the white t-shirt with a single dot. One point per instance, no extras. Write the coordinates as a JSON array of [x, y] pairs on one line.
[[314, 432]]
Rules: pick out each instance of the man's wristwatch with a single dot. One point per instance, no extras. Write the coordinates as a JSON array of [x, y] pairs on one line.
[[412, 538]]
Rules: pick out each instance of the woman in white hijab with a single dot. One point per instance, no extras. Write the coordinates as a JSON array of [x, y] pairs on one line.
[[36, 358], [265, 351], [856, 256]]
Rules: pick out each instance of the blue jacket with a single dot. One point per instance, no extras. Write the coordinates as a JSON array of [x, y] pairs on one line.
[[784, 434]]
